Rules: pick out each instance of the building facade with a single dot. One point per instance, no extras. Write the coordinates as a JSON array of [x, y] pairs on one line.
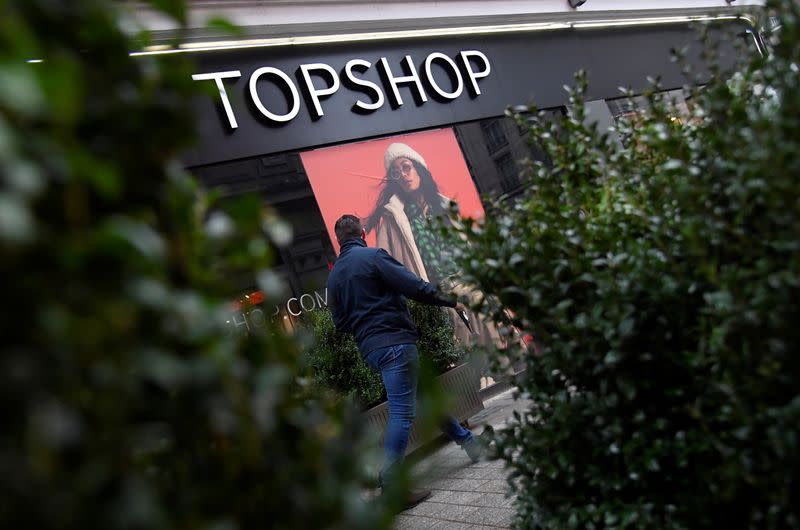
[[308, 99]]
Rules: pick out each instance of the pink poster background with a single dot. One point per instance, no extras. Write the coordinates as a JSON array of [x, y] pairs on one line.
[[347, 179]]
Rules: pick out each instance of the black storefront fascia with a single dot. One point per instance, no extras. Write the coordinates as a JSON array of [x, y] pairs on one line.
[[525, 67]]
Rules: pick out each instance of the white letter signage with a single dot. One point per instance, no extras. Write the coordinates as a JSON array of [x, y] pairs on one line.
[[459, 80], [406, 76], [218, 77], [295, 108], [473, 75], [313, 91]]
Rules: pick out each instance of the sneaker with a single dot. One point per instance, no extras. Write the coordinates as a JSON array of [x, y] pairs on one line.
[[413, 497], [475, 451]]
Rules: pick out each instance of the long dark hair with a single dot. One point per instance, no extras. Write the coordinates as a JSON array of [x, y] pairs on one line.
[[427, 187]]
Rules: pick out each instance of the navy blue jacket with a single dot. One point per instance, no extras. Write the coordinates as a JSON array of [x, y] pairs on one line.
[[368, 290]]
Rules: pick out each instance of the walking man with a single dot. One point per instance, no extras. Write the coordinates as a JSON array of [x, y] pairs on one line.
[[368, 289]]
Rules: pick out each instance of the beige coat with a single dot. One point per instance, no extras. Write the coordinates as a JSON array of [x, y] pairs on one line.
[[394, 235]]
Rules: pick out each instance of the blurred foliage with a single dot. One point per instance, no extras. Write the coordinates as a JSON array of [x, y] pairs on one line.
[[662, 280], [126, 404], [337, 364]]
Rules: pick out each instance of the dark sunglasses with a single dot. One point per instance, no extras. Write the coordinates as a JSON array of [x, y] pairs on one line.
[[398, 172]]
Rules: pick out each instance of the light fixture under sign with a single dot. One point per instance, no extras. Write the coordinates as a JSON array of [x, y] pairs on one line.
[[576, 3], [411, 34]]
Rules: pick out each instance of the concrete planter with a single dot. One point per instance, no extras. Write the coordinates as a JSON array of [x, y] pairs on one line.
[[458, 382]]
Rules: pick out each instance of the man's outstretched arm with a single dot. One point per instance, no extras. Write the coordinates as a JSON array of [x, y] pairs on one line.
[[407, 283]]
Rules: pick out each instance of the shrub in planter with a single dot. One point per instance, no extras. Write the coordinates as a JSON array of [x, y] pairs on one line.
[[436, 343], [337, 363], [126, 405], [662, 280]]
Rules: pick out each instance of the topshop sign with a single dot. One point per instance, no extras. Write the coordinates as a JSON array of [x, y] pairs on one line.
[[445, 77]]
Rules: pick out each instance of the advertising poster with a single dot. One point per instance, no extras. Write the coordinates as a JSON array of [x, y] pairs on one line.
[[394, 185]]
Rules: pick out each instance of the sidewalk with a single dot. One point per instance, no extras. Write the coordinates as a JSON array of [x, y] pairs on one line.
[[465, 495]]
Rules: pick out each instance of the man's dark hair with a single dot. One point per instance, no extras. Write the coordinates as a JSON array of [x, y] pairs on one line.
[[347, 227]]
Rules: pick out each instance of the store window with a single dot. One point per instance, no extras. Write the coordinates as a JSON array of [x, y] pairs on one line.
[[310, 189], [496, 169], [629, 108], [509, 174], [493, 135], [626, 108], [303, 266]]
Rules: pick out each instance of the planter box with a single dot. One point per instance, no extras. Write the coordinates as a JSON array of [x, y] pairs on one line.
[[458, 382]]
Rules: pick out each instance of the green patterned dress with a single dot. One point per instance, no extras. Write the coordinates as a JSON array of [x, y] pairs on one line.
[[429, 244]]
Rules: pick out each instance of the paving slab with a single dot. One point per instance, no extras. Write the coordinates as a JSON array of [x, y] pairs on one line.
[[465, 495]]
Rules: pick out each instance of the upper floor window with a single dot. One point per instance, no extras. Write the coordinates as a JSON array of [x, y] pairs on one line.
[[494, 135], [509, 175]]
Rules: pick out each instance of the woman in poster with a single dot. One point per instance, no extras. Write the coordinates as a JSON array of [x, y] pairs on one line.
[[409, 198]]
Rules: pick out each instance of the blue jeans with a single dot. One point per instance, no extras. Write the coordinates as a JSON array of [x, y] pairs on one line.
[[399, 368]]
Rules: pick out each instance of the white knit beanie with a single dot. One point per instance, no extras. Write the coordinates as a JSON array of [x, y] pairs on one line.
[[398, 150]]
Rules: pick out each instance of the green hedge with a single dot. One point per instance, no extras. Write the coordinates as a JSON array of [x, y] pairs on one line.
[[126, 403], [662, 281], [337, 363]]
